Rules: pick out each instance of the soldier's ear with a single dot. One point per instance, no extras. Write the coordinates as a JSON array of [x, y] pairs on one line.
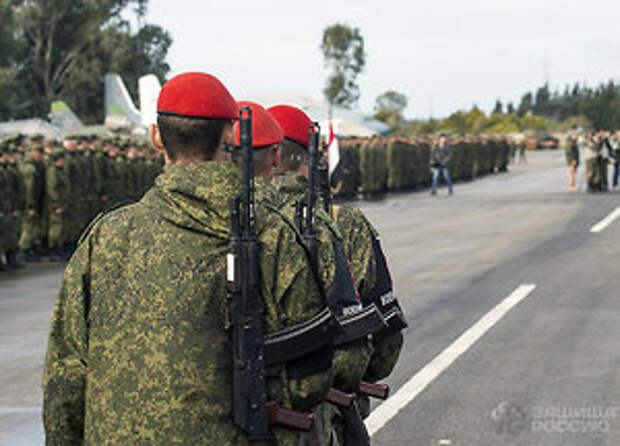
[[276, 156], [156, 138]]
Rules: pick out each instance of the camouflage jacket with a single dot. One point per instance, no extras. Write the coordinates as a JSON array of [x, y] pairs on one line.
[[359, 236], [17, 189], [350, 361], [57, 187], [572, 150], [139, 349], [33, 184], [5, 193]]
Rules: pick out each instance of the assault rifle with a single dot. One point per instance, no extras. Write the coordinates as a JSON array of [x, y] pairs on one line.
[[324, 186], [357, 325], [251, 410]]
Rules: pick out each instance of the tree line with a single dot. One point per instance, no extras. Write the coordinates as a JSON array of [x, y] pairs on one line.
[[599, 106], [62, 49]]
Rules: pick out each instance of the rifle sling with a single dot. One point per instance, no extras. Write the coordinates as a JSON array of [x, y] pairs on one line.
[[360, 325], [300, 340]]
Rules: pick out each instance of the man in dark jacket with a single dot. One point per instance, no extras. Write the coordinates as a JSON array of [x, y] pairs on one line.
[[440, 161]]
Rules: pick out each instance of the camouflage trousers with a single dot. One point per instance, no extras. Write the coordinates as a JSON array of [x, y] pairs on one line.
[[13, 228], [593, 175], [57, 230], [30, 231]]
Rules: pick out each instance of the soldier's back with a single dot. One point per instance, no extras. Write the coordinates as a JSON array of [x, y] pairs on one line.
[[157, 334]]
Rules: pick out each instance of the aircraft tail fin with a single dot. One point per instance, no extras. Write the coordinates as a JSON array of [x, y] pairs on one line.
[[62, 117], [119, 107], [149, 87]]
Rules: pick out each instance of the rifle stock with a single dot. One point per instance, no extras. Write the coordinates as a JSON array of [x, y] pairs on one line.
[[289, 418], [380, 391], [340, 398]]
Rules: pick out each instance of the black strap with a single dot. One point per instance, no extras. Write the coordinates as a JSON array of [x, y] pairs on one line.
[[359, 325], [355, 432], [300, 340]]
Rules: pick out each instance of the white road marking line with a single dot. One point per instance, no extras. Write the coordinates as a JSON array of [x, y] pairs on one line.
[[408, 392], [14, 410], [606, 221]]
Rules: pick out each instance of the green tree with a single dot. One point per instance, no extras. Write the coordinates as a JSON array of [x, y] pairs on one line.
[[526, 104], [499, 107], [54, 35], [389, 107], [474, 119], [603, 107], [117, 50], [456, 123], [343, 53], [501, 124], [542, 102], [15, 91]]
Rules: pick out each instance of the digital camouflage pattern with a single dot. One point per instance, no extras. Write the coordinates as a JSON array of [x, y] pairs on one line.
[[33, 175], [358, 233], [139, 351], [16, 206], [5, 204], [57, 189], [350, 361]]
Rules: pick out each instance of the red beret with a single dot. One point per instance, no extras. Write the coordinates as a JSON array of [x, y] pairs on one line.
[[265, 129], [294, 122], [196, 95]]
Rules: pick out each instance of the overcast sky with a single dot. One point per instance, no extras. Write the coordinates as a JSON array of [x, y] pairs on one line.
[[448, 53]]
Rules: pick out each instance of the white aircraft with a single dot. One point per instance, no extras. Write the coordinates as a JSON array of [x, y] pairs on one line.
[[120, 112]]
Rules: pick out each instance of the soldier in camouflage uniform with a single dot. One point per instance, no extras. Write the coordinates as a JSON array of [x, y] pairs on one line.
[[603, 160], [4, 203], [360, 248], [73, 208], [58, 198], [591, 154], [614, 142], [572, 157], [139, 351], [17, 206], [33, 173], [350, 359]]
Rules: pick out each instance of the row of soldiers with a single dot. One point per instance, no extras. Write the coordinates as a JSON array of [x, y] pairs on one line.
[[201, 316], [601, 149], [51, 189]]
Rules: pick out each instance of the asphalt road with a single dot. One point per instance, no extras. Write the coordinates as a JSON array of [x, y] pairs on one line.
[[547, 373]]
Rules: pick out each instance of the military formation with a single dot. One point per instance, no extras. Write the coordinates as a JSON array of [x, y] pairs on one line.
[[233, 304], [377, 165], [50, 190]]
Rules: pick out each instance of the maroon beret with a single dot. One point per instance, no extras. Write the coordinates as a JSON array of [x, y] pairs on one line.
[[265, 129], [294, 122], [196, 95]]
